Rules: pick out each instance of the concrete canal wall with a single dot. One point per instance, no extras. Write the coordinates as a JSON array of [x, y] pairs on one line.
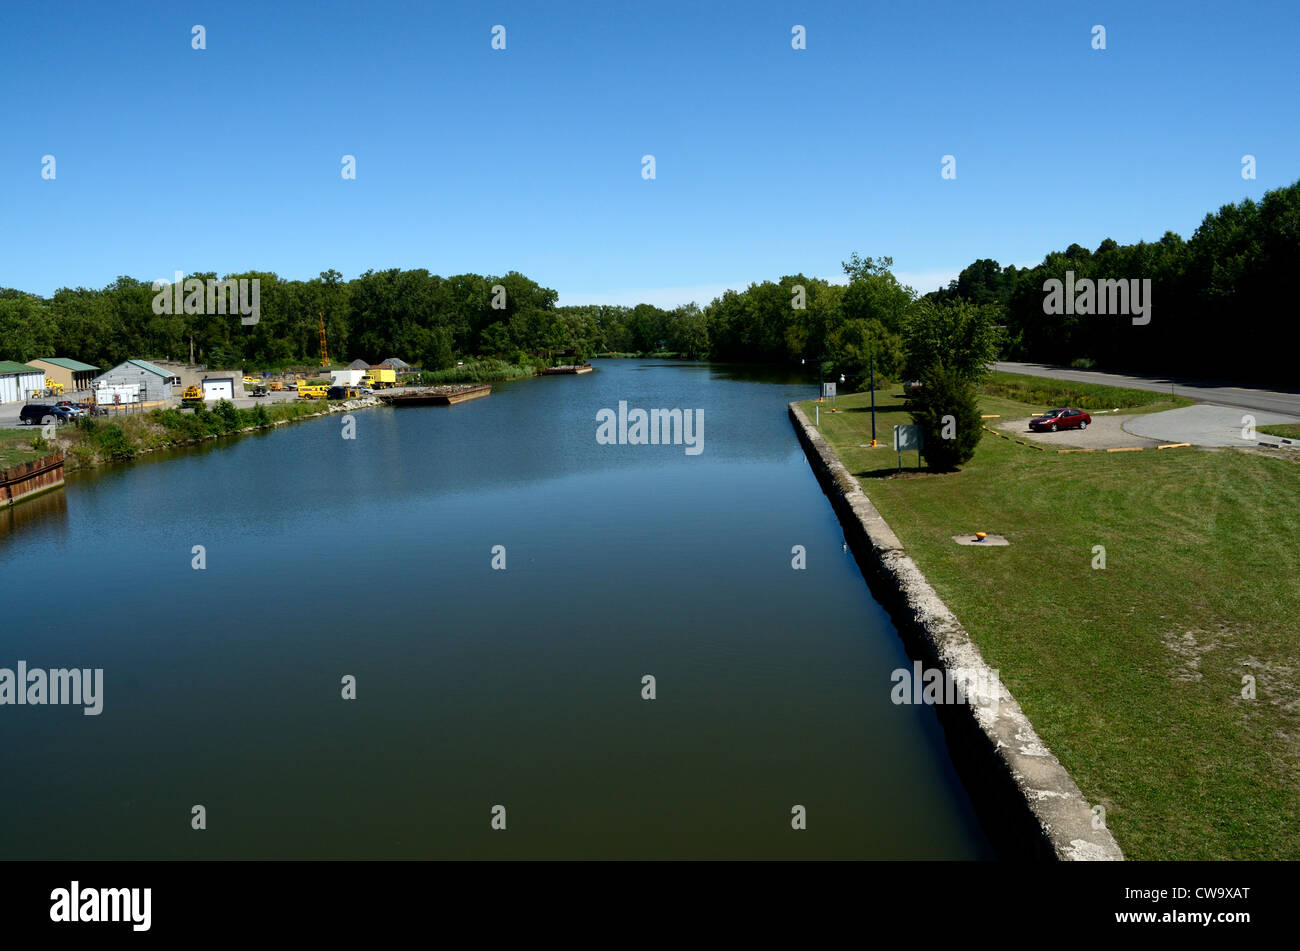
[[31, 478], [1029, 805]]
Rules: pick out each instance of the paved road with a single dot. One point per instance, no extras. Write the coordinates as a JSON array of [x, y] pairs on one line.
[[1207, 391], [1207, 425]]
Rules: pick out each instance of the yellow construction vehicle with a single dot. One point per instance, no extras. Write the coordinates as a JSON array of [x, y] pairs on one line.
[[275, 386], [193, 395], [53, 387]]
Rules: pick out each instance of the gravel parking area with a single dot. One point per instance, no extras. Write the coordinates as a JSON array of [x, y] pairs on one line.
[[1208, 425], [1105, 432]]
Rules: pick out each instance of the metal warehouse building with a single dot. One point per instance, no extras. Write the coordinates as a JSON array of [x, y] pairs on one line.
[[155, 383], [18, 381], [73, 374]]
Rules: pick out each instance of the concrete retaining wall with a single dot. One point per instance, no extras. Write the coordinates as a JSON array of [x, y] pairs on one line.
[[1028, 803]]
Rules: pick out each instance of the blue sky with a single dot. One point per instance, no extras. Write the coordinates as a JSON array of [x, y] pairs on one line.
[[769, 161]]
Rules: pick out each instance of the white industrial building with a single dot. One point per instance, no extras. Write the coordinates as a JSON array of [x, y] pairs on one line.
[[18, 381]]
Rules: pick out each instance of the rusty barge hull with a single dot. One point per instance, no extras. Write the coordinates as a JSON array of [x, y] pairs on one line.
[[30, 478]]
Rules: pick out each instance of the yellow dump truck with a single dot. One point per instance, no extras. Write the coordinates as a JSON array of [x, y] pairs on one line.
[[312, 391], [378, 379]]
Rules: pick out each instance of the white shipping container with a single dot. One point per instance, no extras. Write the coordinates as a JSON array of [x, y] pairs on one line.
[[346, 377]]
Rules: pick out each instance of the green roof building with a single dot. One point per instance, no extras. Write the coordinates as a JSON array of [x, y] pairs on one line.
[[18, 381], [73, 374]]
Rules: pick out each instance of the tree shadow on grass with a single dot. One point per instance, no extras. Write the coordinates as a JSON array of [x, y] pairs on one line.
[[909, 471], [880, 410]]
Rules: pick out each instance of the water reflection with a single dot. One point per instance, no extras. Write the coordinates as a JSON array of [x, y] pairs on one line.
[[47, 511]]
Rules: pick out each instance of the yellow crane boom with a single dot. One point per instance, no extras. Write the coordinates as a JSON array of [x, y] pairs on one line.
[[324, 357]]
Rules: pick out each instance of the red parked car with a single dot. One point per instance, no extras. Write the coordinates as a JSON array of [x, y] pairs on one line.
[[1054, 419]]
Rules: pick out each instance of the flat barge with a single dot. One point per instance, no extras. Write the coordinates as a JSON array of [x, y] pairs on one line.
[[438, 395], [557, 371]]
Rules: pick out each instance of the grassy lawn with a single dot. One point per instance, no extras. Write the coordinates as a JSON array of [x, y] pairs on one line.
[[1285, 430], [1131, 674], [16, 446]]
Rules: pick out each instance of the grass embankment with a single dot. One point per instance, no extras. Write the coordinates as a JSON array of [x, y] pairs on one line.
[[1042, 393], [1285, 430], [17, 446], [93, 441], [1131, 674], [477, 371]]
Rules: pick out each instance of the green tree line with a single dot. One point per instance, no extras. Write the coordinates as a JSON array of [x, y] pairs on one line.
[[431, 320], [1219, 304]]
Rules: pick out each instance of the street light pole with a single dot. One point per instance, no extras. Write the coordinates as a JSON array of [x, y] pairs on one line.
[[873, 397]]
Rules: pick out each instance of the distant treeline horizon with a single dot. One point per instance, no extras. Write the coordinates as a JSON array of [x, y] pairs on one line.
[[1217, 308]]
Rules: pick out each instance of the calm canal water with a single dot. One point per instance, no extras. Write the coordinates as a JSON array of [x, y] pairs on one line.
[[371, 557]]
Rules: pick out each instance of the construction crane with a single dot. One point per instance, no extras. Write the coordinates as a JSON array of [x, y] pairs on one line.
[[324, 357]]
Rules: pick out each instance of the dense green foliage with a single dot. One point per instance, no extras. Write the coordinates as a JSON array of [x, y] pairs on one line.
[[380, 314], [431, 321], [1220, 304], [947, 410], [1229, 275]]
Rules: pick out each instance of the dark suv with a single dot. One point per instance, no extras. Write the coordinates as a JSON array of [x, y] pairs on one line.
[[38, 413]]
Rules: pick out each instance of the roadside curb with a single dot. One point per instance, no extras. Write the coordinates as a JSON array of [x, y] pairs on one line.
[[1029, 805]]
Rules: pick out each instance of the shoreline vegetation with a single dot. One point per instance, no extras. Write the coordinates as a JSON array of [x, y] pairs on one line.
[[91, 442], [477, 371]]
